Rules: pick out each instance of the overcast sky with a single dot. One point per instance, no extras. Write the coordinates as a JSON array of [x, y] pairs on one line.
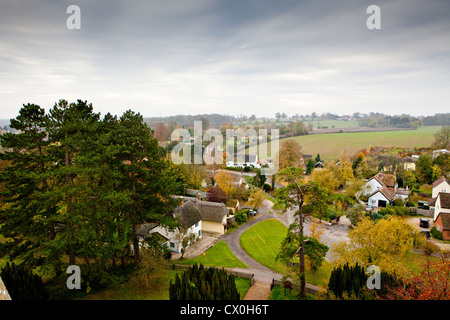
[[169, 57]]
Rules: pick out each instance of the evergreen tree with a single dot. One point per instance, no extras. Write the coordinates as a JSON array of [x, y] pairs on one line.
[[24, 218], [199, 283]]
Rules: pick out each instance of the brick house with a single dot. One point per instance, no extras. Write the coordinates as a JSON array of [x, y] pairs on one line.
[[442, 214]]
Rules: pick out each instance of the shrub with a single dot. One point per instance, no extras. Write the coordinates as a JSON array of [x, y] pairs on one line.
[[347, 279], [199, 283], [398, 203], [242, 216], [22, 284], [410, 204], [436, 233]]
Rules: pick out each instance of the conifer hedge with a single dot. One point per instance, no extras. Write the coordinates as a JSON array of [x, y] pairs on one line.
[[200, 283]]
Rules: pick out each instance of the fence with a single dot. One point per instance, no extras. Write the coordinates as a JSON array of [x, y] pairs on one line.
[[309, 288], [235, 273], [423, 212]]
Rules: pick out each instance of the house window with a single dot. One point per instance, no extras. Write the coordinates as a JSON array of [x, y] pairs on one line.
[[172, 245], [199, 233], [438, 227], [196, 225]]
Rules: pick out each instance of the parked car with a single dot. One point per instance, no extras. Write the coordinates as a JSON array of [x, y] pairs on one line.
[[426, 233], [424, 223]]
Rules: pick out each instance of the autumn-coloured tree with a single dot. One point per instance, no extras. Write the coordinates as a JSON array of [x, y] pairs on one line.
[[326, 177], [216, 194], [383, 243], [345, 169], [442, 138], [431, 284], [225, 180], [256, 198], [290, 155], [160, 131]]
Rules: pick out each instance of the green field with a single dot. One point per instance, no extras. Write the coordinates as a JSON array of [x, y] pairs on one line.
[[330, 145], [219, 256], [263, 242]]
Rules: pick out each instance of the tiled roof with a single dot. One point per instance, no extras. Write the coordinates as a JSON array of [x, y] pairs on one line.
[[445, 218], [439, 181], [445, 200], [388, 194]]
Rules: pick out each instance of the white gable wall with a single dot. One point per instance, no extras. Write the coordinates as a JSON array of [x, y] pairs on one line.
[[175, 238], [443, 187], [371, 186], [438, 209], [373, 200]]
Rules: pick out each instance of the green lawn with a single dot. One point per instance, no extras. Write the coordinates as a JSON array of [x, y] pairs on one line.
[[330, 145], [263, 241], [219, 255], [160, 291]]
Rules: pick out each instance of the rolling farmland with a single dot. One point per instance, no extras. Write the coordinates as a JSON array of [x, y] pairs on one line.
[[330, 145]]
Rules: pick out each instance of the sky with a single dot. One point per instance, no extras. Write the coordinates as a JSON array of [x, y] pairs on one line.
[[170, 57]]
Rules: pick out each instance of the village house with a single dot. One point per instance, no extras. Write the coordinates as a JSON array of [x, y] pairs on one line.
[[441, 185], [214, 216], [196, 218], [442, 214], [382, 190], [409, 163], [381, 197], [437, 153], [190, 226], [377, 182], [248, 160]]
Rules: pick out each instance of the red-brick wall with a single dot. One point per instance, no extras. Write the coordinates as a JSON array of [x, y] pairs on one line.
[[445, 233]]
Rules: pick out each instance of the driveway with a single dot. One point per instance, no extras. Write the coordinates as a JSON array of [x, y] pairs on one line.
[[232, 239]]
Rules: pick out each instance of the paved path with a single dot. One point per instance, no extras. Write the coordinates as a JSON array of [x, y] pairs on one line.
[[258, 291]]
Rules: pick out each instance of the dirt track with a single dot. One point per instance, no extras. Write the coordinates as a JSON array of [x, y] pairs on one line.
[[258, 291]]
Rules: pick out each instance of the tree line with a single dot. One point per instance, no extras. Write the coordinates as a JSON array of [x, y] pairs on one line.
[[76, 186]]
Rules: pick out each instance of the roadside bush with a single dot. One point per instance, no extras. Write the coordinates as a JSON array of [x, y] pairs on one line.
[[242, 216], [393, 210], [398, 203], [435, 233]]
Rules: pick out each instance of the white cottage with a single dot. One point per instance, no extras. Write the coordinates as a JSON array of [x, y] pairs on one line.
[[440, 185], [190, 226], [381, 197]]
